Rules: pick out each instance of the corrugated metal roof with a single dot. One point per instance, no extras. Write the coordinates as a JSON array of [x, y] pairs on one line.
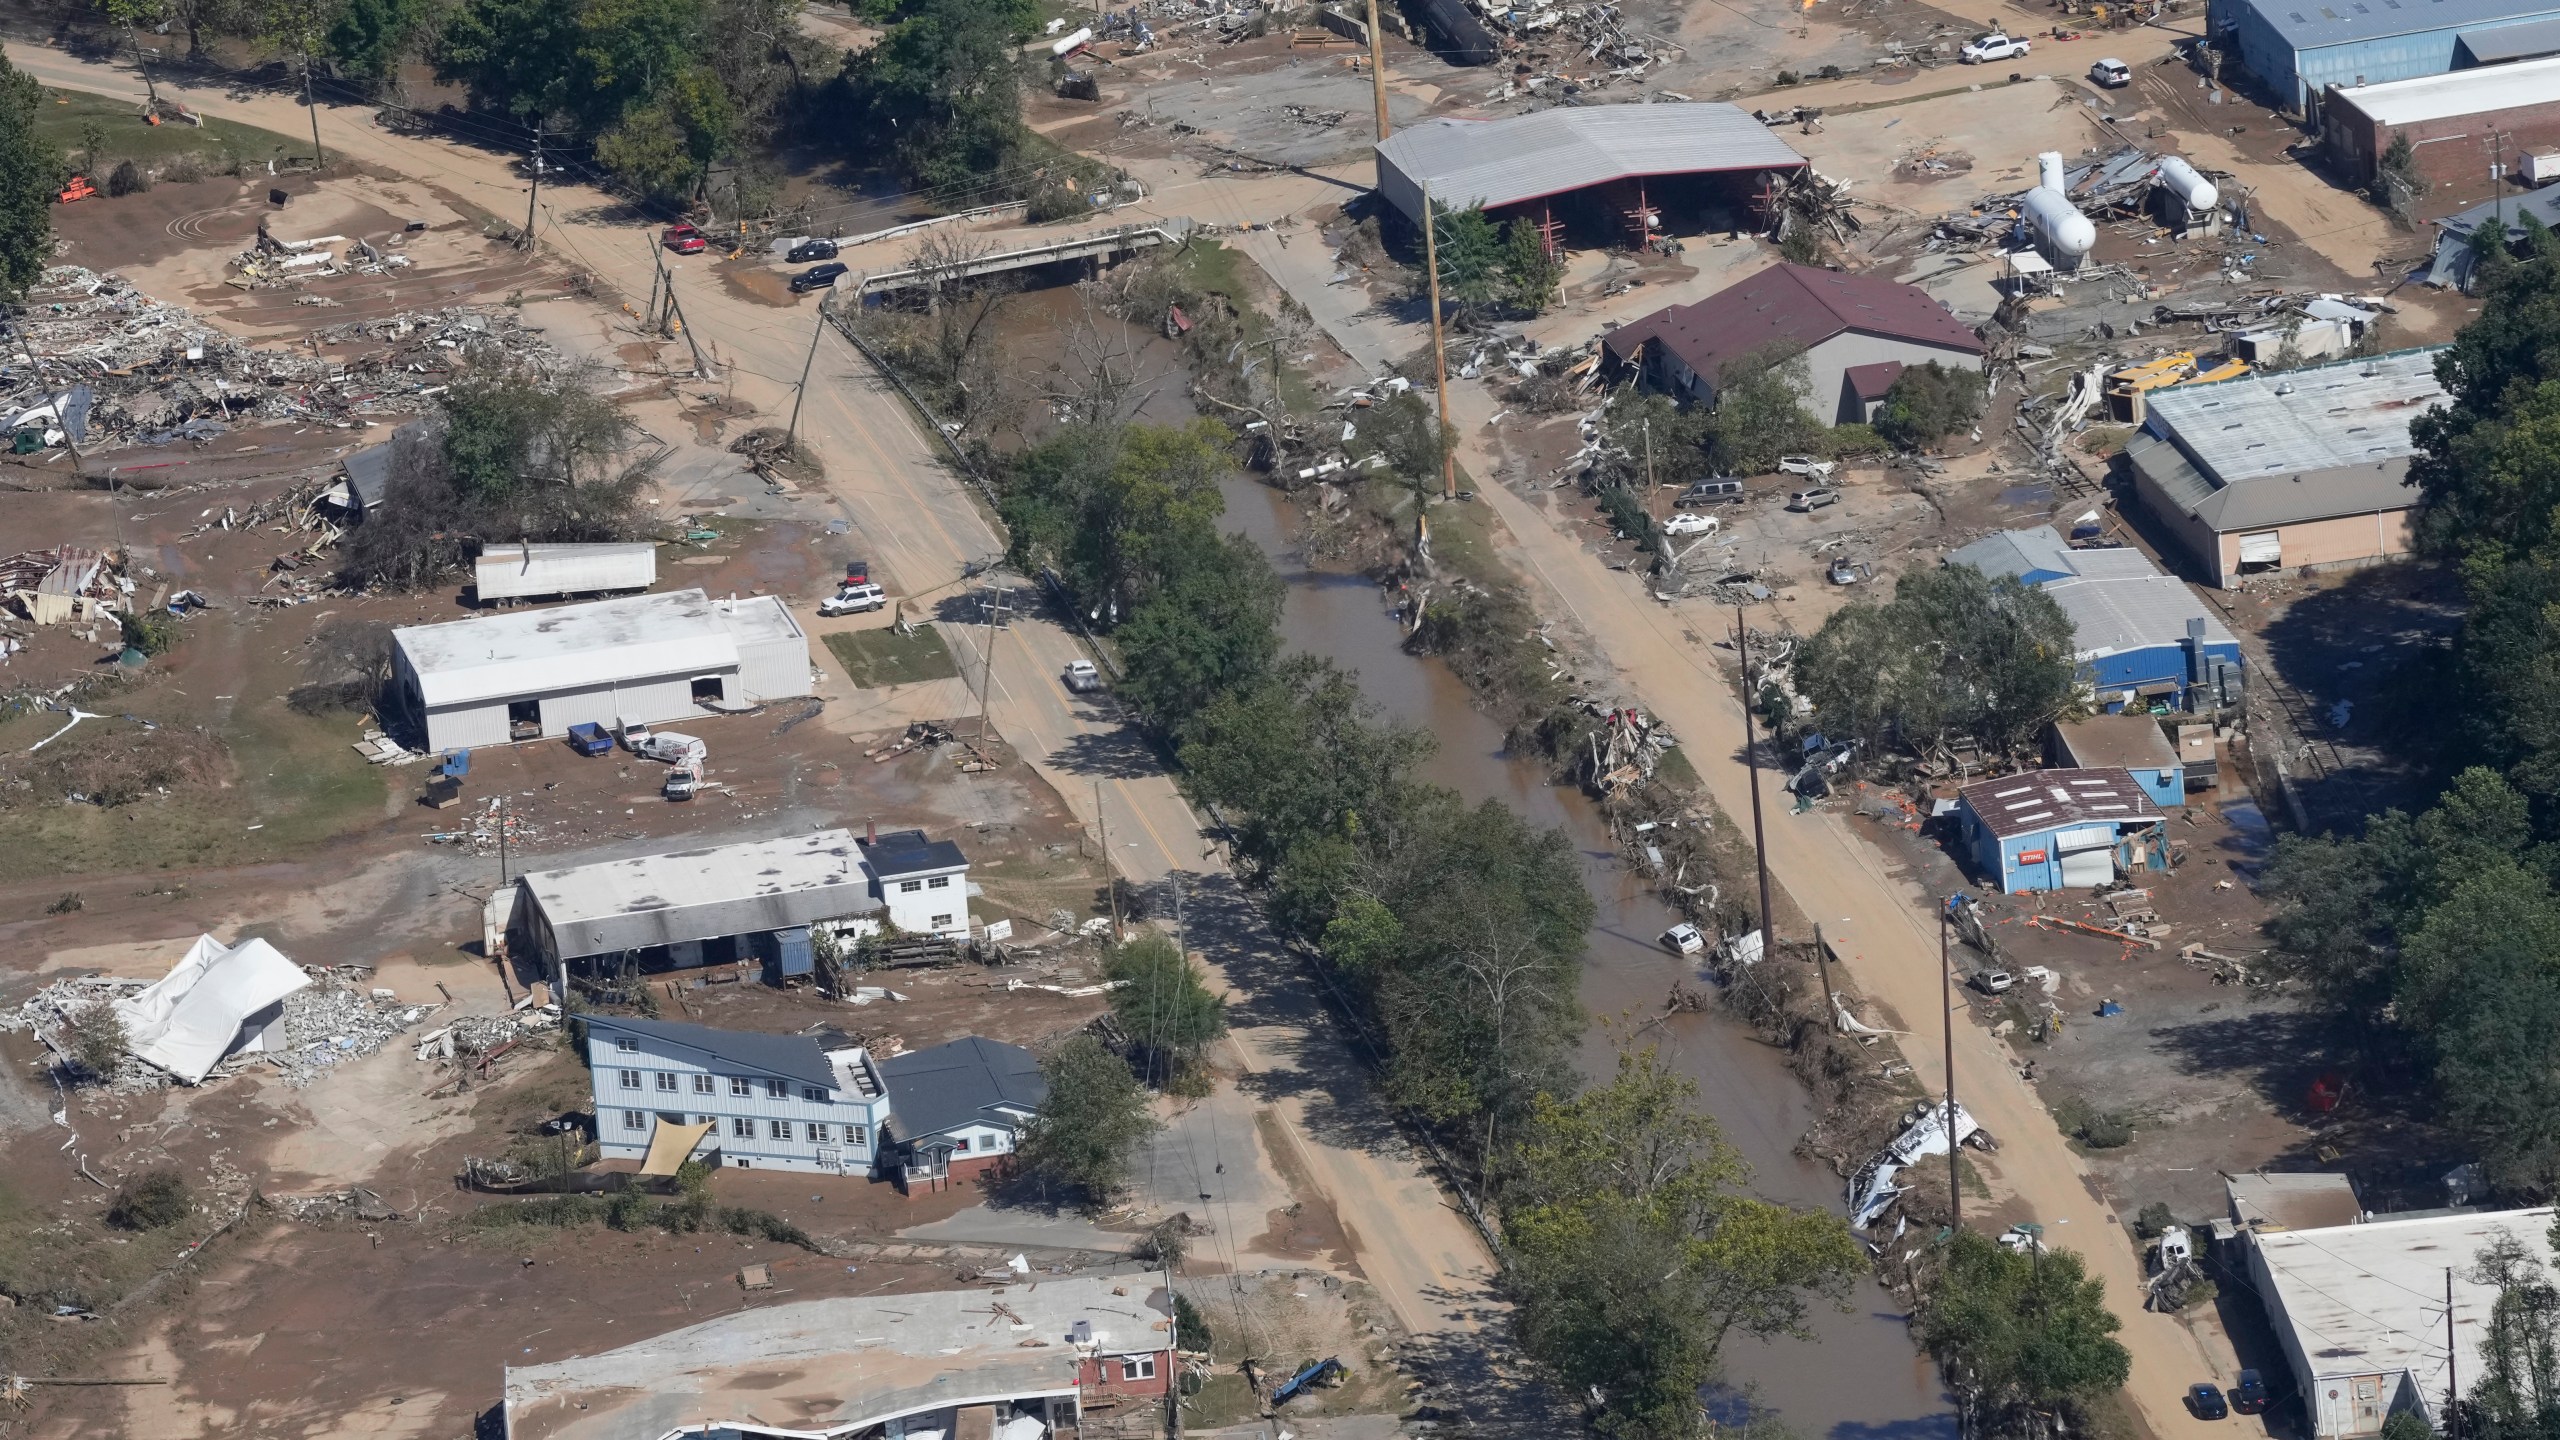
[[2349, 413], [653, 900], [531, 652], [2038, 554], [1793, 305], [970, 1081], [2114, 614], [504, 572], [2521, 41], [2468, 92], [792, 1057], [2118, 741], [2041, 800], [2316, 24], [1469, 163]]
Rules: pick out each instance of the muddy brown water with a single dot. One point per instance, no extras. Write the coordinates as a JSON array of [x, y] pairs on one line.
[[1860, 1377]]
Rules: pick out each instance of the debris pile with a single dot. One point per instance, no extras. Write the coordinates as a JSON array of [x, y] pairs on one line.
[[339, 1017], [1562, 48], [471, 1036], [53, 1012], [114, 367]]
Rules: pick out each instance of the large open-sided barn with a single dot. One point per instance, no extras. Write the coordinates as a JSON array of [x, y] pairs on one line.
[[1596, 171]]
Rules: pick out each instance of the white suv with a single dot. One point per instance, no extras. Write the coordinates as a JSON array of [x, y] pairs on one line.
[[1995, 46]]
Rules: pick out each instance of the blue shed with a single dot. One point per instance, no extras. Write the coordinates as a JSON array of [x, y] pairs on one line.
[[2143, 638], [2298, 48], [2060, 829]]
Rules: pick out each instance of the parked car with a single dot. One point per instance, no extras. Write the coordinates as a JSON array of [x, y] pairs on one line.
[[2111, 74], [1806, 501], [817, 277], [682, 781], [672, 748], [590, 739], [1684, 939], [1081, 677], [854, 599], [1983, 49], [808, 250], [1992, 982], [684, 240], [1845, 571], [632, 734], [1811, 467], [2206, 1401], [1692, 525], [2249, 1393], [1712, 492]]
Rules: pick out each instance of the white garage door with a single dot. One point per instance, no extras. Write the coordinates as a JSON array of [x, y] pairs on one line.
[[2088, 867], [2088, 855], [2265, 548]]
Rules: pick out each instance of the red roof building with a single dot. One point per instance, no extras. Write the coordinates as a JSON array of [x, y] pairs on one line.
[[1855, 332]]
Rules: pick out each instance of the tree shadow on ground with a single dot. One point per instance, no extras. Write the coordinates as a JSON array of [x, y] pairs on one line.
[[2367, 655], [1307, 1053]]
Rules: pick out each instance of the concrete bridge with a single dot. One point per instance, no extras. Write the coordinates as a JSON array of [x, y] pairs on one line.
[[1092, 246]]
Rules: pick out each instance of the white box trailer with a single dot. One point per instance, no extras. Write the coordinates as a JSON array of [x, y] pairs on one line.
[[526, 572]]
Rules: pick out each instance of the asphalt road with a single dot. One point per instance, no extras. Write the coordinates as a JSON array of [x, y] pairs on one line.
[[923, 528]]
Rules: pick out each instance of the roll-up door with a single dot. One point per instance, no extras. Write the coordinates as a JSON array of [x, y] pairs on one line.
[[2264, 548], [2088, 855]]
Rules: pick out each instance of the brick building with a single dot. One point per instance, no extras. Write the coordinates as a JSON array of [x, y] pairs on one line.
[[2449, 120]]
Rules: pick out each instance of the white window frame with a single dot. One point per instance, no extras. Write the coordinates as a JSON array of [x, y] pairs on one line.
[[817, 1131], [910, 887], [941, 922], [635, 1119], [741, 1128], [777, 1089], [859, 1135], [938, 882], [627, 1044], [813, 1094], [666, 1082], [1137, 1367], [630, 1079], [702, 1085], [740, 1085], [777, 1129]]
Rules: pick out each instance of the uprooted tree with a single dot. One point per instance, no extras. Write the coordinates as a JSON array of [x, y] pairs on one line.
[[512, 454]]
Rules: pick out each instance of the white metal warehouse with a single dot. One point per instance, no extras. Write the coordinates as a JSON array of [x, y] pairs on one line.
[[531, 572], [647, 658], [1550, 153]]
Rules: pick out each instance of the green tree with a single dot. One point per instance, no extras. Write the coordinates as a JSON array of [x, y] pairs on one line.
[[1760, 410], [152, 1200], [1929, 402], [2517, 1393], [1471, 254], [1118, 509], [1952, 654], [1164, 1004], [1636, 1251], [1306, 758], [32, 175], [1210, 629], [369, 38], [940, 96], [2013, 1330], [1090, 1123], [1530, 271]]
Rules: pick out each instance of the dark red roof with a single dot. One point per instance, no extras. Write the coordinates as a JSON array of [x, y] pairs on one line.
[[1871, 382], [1794, 304]]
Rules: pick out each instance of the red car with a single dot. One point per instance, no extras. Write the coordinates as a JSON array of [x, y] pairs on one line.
[[684, 240]]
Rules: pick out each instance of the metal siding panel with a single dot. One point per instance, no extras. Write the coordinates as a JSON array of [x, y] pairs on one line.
[[467, 727], [578, 707], [773, 669]]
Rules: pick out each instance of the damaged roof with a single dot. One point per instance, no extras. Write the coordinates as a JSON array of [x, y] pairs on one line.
[[899, 853], [652, 900], [2347, 415], [838, 1367], [1797, 305], [2041, 800]]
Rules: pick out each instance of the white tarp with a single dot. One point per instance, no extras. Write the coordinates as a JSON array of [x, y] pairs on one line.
[[218, 1000], [1871, 1190]]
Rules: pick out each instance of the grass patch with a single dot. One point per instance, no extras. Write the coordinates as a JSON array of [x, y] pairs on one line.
[[1212, 269], [883, 657], [66, 113], [70, 1258], [1674, 770]]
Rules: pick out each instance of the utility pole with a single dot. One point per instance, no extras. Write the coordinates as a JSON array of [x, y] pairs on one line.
[[1378, 70], [987, 688], [536, 196], [791, 432], [319, 157], [502, 842], [1822, 962], [1947, 1014], [1751, 756], [2497, 142], [2452, 1382], [1110, 872], [1439, 351]]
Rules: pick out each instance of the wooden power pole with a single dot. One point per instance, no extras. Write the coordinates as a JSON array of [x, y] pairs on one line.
[[1439, 351], [1378, 70]]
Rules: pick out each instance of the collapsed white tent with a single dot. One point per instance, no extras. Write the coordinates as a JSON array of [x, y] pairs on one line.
[[219, 1000]]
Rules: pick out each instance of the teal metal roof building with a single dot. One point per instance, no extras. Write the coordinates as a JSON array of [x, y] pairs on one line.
[[2298, 48]]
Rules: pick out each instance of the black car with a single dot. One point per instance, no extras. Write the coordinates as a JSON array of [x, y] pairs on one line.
[[808, 250], [2206, 1402], [816, 277], [2249, 1393]]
